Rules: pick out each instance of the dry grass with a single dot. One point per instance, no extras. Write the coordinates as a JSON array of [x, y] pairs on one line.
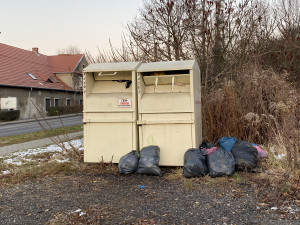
[[256, 106], [32, 165], [34, 170], [50, 163], [37, 166], [174, 174]]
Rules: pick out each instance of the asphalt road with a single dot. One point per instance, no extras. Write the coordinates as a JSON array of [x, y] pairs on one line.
[[32, 126]]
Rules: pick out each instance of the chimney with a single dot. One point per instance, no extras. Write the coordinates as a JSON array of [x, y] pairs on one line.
[[35, 50]]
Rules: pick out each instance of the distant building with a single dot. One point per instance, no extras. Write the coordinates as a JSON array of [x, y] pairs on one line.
[[32, 82]]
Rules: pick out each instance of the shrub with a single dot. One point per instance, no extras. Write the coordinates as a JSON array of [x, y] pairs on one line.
[[63, 110], [258, 106], [9, 115]]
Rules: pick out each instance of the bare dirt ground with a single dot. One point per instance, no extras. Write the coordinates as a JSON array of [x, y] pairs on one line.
[[93, 197]]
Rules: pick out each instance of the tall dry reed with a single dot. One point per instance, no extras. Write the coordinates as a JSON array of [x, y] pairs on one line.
[[256, 105]]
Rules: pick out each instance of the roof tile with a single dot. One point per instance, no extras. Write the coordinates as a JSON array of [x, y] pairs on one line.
[[16, 63], [64, 62]]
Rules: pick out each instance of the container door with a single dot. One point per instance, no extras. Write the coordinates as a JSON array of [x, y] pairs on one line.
[[172, 139]]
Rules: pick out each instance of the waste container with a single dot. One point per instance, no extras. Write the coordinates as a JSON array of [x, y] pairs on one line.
[[169, 108], [109, 111]]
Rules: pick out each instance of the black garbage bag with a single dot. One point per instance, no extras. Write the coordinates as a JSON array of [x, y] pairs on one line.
[[221, 163], [206, 145], [195, 163], [149, 161], [246, 156], [128, 163]]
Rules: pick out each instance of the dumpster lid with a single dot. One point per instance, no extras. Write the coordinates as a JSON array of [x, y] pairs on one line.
[[169, 65], [118, 66]]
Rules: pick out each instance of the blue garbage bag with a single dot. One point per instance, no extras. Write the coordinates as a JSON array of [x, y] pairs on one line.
[[227, 142]]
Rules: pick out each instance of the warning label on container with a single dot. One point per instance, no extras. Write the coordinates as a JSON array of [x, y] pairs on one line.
[[124, 103]]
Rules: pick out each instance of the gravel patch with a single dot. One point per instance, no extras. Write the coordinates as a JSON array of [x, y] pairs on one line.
[[110, 198]]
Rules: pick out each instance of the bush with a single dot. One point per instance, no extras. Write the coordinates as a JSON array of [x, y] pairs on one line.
[[63, 110], [257, 106], [9, 115]]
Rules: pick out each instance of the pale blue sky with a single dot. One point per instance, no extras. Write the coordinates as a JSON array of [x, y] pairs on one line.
[[55, 24]]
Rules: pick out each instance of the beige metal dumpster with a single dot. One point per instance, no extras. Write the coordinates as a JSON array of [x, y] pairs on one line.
[[109, 111], [169, 108]]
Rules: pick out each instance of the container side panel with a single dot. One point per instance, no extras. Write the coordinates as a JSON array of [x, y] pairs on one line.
[[135, 113], [140, 92], [197, 106], [88, 82], [85, 140]]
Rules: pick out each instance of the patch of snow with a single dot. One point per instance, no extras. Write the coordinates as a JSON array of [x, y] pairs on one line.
[[81, 213], [274, 208], [280, 156], [77, 211], [275, 153], [62, 160], [13, 161], [272, 149], [289, 209], [5, 172], [77, 143], [17, 158], [31, 152]]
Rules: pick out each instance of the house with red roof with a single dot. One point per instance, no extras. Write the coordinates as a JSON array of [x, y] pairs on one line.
[[32, 82], [69, 68]]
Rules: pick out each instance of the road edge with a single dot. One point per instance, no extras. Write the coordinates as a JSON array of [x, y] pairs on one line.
[[38, 143], [40, 119]]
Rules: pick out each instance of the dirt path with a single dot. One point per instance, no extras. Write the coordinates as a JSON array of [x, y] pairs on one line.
[[109, 198]]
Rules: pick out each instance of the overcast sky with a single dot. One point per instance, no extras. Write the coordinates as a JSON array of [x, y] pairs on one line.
[[55, 24]]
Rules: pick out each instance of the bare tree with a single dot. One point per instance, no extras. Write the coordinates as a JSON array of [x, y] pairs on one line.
[[161, 30], [284, 48], [225, 33], [71, 49], [221, 35]]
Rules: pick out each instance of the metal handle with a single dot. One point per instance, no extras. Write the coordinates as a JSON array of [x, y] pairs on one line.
[[156, 82], [173, 81], [108, 74]]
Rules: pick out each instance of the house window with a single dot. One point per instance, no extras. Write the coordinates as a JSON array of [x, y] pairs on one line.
[[68, 101], [47, 104], [54, 79], [32, 76], [56, 102], [80, 101]]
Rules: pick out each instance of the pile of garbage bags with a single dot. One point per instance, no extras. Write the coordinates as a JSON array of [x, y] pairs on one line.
[[145, 163], [217, 161], [232, 155]]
